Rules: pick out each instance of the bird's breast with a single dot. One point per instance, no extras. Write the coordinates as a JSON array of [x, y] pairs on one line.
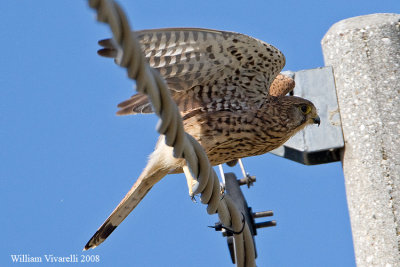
[[227, 135]]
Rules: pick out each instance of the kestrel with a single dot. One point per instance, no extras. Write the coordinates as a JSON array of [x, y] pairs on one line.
[[231, 97]]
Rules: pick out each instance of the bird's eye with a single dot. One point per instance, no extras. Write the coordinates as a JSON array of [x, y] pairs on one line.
[[305, 109]]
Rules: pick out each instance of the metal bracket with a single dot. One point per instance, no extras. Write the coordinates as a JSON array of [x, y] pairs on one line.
[[232, 188], [316, 145]]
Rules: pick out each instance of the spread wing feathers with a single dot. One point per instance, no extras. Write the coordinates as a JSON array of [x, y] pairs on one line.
[[190, 57], [185, 57], [138, 103]]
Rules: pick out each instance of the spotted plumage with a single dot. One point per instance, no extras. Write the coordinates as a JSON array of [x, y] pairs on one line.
[[231, 97]]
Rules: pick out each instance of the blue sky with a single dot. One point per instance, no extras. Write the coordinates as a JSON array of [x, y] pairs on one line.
[[66, 159]]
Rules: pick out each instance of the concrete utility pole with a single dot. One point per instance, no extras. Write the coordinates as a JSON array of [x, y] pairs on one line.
[[365, 55]]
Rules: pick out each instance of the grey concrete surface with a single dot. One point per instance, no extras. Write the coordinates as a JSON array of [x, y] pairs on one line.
[[365, 55]]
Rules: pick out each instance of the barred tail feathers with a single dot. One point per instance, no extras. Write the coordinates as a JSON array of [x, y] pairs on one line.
[[161, 163]]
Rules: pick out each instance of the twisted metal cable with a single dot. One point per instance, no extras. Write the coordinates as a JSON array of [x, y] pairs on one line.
[[148, 81]]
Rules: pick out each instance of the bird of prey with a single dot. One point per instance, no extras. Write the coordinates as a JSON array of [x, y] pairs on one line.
[[231, 97]]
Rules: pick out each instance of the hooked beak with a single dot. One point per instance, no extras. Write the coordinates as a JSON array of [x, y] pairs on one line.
[[317, 120]]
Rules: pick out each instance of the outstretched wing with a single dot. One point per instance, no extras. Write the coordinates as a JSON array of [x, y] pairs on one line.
[[216, 69], [139, 103]]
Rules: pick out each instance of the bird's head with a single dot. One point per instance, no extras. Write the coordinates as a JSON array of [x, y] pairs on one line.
[[301, 113]]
